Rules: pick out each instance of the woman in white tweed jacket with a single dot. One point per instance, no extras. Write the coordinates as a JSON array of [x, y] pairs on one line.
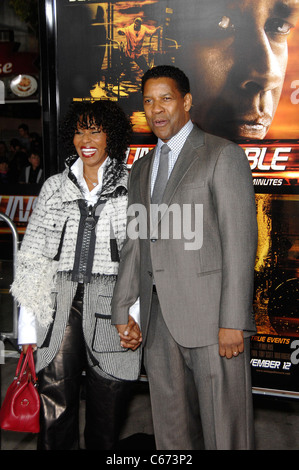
[[66, 272]]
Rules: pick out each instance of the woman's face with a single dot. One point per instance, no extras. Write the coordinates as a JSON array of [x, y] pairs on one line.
[[90, 143]]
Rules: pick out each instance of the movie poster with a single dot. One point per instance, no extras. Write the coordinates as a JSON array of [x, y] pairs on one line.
[[241, 58], [245, 87]]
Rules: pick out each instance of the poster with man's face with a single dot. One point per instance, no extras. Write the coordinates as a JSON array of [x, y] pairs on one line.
[[241, 60], [240, 57]]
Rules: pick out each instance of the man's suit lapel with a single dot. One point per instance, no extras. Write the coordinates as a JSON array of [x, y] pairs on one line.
[[145, 182], [145, 178], [188, 155], [186, 158]]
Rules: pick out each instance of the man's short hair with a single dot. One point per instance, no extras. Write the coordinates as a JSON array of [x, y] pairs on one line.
[[168, 71]]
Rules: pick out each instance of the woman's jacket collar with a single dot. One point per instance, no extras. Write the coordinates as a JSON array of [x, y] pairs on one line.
[[115, 182]]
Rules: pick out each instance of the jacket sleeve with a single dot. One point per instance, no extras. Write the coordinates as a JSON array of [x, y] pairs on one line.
[[35, 273], [26, 327], [234, 201], [126, 291]]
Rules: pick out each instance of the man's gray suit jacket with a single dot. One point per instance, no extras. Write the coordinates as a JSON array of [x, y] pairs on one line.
[[203, 289]]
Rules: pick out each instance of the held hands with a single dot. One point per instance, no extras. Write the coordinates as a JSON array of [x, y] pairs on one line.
[[130, 334], [231, 342]]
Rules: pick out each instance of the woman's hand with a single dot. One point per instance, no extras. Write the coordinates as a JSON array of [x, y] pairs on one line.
[[130, 334], [25, 347]]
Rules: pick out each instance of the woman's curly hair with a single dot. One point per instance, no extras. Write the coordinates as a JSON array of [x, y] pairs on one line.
[[106, 114]]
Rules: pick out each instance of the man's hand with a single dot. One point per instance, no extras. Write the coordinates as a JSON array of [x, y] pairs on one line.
[[231, 342], [130, 334]]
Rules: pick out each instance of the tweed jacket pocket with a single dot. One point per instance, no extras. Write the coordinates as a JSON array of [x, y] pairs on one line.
[[105, 338], [54, 238]]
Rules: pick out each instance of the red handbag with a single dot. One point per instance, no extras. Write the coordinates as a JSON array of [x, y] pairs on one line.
[[20, 408]]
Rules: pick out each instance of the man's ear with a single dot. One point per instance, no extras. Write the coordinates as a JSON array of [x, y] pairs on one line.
[[187, 102]]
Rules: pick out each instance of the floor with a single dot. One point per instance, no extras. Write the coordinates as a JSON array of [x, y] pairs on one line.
[[276, 420]]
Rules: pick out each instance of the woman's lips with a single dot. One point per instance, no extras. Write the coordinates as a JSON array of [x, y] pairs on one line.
[[88, 152]]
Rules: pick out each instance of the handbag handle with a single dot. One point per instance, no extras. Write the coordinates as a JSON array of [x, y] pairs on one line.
[[19, 365], [30, 362]]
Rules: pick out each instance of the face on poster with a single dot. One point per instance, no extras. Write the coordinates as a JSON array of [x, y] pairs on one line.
[[240, 57]]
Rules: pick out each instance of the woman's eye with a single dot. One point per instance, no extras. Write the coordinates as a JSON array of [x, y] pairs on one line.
[[94, 130]]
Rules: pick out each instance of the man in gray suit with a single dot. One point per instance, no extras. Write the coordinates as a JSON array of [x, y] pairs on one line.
[[195, 293]]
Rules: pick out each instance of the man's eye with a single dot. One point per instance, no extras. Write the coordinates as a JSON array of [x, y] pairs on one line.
[[226, 23], [278, 26]]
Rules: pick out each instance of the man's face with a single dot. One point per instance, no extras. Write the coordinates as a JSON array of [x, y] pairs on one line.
[[239, 57], [137, 25], [166, 110], [34, 160]]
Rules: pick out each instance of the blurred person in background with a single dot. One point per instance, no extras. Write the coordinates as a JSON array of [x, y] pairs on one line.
[[32, 173]]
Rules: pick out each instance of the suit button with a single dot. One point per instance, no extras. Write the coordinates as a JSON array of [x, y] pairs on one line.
[[153, 240], [150, 273]]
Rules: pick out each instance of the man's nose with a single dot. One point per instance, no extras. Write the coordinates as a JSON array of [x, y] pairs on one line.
[[265, 65], [157, 107]]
